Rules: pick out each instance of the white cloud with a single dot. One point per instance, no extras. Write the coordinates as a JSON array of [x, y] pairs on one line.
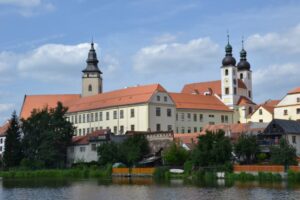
[[4, 107], [176, 57], [286, 43], [21, 3], [165, 38]]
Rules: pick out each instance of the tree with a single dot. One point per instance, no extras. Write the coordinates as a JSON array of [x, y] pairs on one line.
[[213, 149], [13, 149], [175, 155], [108, 153], [284, 154], [47, 134], [246, 148]]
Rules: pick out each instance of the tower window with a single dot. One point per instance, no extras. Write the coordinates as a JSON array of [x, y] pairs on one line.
[[241, 76], [227, 90], [90, 88], [226, 72], [234, 90], [249, 94]]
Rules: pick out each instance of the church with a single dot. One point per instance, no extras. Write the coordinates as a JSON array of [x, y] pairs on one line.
[[152, 107]]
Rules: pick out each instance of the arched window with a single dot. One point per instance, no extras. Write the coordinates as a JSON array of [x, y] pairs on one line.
[[241, 76], [226, 72], [90, 88]]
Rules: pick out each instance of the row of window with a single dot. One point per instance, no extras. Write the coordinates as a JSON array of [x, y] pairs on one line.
[[188, 130], [241, 75], [285, 112], [165, 98], [84, 131], [196, 117], [158, 112], [98, 116]]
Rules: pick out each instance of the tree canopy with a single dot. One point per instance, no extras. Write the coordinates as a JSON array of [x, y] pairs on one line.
[[13, 148], [246, 148], [47, 135], [175, 155], [284, 154]]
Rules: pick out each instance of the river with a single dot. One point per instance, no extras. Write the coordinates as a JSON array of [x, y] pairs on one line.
[[141, 189]]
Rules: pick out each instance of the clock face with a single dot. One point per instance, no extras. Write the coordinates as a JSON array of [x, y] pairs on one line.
[[226, 80]]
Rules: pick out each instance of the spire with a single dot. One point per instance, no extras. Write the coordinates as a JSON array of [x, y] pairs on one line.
[[228, 59], [92, 61], [228, 47], [243, 64]]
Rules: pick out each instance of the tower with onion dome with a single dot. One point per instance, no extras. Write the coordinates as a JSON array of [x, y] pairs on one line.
[[91, 78], [229, 79]]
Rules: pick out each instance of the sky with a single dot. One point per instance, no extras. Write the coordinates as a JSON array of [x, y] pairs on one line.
[[44, 44]]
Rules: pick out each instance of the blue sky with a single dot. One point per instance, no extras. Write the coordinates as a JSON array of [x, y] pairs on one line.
[[44, 44]]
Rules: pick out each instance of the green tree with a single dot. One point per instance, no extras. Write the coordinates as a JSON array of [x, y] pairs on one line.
[[213, 149], [246, 148], [133, 149], [175, 155], [13, 148], [284, 154], [108, 153], [47, 134]]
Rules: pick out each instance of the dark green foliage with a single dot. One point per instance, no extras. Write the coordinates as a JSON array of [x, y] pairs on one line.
[[284, 154], [246, 148], [108, 153], [262, 177], [161, 173], [261, 157], [13, 148], [132, 150], [175, 155], [213, 149], [188, 166], [47, 135]]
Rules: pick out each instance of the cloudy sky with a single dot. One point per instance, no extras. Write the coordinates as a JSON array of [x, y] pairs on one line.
[[44, 44]]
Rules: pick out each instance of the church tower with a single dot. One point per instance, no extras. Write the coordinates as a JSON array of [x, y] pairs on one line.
[[244, 71], [91, 78], [229, 77]]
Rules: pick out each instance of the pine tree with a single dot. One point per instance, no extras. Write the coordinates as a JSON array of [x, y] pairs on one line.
[[13, 148]]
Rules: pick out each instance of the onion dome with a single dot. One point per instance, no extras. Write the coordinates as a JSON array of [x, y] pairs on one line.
[[92, 61], [243, 64], [228, 59]]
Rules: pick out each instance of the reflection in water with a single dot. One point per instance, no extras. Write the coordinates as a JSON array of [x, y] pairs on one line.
[[142, 188]]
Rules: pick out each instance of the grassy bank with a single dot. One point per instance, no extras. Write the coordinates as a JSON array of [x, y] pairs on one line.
[[262, 177], [92, 172]]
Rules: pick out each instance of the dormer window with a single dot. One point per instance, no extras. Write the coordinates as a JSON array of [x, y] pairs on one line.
[[158, 98], [90, 88]]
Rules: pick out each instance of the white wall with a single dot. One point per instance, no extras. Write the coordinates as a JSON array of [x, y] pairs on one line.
[[2, 144], [289, 103], [74, 153]]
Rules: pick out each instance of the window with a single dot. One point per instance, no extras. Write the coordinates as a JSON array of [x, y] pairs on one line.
[[88, 130], [200, 129], [169, 112], [92, 117], [115, 114], [182, 130], [121, 114], [195, 129], [96, 116], [176, 116], [87, 117], [189, 116], [100, 116], [132, 113], [170, 128], [261, 120], [249, 94], [82, 149], [93, 147], [158, 98], [298, 111], [260, 111], [92, 129], [234, 81], [285, 112], [189, 130], [165, 98], [107, 115], [158, 111], [115, 129], [90, 88], [222, 118], [250, 110], [182, 116], [177, 130], [234, 90], [72, 119], [241, 76], [211, 123], [227, 90], [294, 139], [157, 127], [226, 119], [298, 100], [132, 127], [83, 131], [201, 117], [195, 117], [233, 72], [75, 119], [226, 72], [83, 118], [121, 129], [79, 118], [211, 116]]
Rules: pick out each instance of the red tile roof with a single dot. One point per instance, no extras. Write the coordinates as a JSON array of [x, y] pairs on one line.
[[197, 101], [4, 128], [294, 91], [244, 101], [269, 105], [187, 138], [84, 140], [203, 87], [32, 102], [127, 96]]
